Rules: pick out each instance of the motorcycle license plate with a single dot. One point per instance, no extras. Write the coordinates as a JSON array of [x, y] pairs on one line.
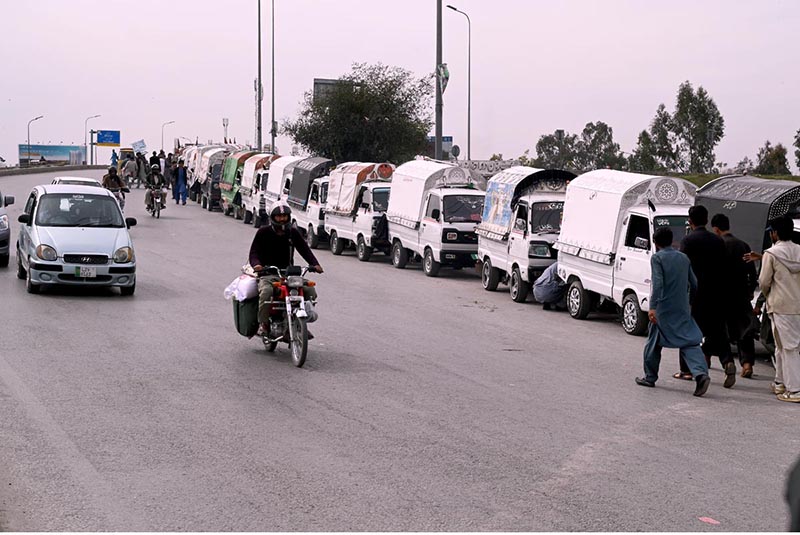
[[86, 272]]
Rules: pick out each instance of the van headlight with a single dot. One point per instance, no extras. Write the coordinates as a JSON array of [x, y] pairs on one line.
[[45, 252], [123, 255], [538, 250], [3, 222]]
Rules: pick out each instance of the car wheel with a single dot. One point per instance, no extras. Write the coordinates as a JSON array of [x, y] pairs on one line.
[[337, 245], [399, 255], [634, 320], [490, 276], [21, 274], [429, 265], [127, 290], [29, 284], [4, 259], [363, 251], [579, 301], [519, 288]]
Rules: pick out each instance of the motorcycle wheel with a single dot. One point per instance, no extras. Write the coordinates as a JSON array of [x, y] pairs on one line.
[[299, 343]]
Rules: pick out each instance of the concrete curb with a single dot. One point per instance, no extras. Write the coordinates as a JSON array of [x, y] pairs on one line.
[[13, 171]]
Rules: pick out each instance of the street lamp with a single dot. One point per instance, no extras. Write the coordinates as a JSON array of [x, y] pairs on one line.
[[29, 138], [469, 77], [85, 142], [162, 133]]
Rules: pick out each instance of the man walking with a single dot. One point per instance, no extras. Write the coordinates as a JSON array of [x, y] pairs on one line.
[[180, 192], [671, 323], [780, 283], [743, 280], [707, 253]]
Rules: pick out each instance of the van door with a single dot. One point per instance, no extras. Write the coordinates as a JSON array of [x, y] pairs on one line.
[[518, 241], [431, 226], [632, 263]]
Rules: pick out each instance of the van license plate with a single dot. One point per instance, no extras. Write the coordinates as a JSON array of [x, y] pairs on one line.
[[86, 272]]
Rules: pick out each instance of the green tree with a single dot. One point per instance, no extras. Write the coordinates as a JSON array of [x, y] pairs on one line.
[[745, 166], [772, 160], [556, 151], [643, 159], [375, 113], [596, 148]]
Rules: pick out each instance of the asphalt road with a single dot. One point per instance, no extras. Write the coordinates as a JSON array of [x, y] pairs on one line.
[[425, 404]]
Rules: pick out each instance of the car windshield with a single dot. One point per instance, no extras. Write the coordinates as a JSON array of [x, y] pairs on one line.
[[78, 210], [678, 224], [380, 199], [463, 208], [546, 217]]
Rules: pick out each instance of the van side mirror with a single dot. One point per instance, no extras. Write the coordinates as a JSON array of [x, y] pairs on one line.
[[436, 214], [641, 243], [521, 224], [24, 218], [130, 222], [8, 200]]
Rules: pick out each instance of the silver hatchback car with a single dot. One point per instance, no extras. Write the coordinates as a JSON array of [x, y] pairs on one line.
[[75, 235]]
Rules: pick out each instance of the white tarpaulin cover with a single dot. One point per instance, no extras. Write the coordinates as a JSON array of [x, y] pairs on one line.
[[251, 165], [343, 184], [598, 200], [207, 160], [411, 181], [278, 170]]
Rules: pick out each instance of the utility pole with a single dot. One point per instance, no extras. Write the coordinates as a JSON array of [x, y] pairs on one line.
[[272, 122], [259, 91], [438, 131]]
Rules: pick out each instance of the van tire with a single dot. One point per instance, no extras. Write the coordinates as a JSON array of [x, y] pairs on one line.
[[579, 301], [399, 255], [490, 276], [363, 251], [430, 266], [634, 319], [312, 238], [518, 287], [337, 245]]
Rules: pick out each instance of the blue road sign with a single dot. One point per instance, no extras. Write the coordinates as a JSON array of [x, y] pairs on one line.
[[108, 138]]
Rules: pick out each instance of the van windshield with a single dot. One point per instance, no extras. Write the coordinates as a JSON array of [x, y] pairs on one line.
[[463, 208], [78, 210], [678, 224], [546, 217], [380, 199]]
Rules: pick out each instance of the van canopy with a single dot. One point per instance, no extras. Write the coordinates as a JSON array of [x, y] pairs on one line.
[[412, 179], [345, 179], [304, 174], [505, 189], [208, 159], [232, 164], [750, 203], [254, 164], [278, 171], [597, 202]]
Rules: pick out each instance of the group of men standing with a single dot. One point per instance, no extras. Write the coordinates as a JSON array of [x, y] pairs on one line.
[[718, 270], [161, 170]]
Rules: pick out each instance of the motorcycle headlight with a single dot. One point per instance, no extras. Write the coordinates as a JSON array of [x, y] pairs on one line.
[[294, 281], [539, 250], [3, 222], [123, 255], [45, 252]]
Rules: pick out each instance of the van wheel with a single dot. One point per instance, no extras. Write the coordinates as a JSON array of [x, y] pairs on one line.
[[490, 276], [634, 320], [429, 265], [399, 255], [248, 217], [363, 251], [204, 203], [579, 301], [337, 245], [519, 288], [312, 238]]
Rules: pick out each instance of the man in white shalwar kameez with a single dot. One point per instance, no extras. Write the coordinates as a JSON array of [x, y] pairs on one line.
[[780, 283]]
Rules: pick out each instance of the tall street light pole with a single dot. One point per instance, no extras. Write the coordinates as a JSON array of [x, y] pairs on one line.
[[162, 132], [272, 128], [259, 91], [85, 141], [438, 131], [29, 138], [469, 79]]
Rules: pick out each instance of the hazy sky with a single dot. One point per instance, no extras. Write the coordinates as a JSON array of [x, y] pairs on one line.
[[536, 65]]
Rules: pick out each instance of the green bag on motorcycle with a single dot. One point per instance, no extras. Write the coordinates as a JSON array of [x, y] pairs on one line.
[[245, 316]]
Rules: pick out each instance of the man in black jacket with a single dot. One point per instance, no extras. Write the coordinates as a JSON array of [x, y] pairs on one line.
[[708, 256]]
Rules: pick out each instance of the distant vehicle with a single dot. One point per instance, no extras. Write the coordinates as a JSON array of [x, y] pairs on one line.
[[3, 163], [124, 152], [5, 229], [75, 235], [76, 181]]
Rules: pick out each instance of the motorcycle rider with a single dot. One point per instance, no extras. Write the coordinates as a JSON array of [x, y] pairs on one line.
[[115, 184], [156, 183], [273, 245]]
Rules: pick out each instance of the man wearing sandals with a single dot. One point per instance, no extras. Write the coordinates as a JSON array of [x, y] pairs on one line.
[[780, 283], [671, 322]]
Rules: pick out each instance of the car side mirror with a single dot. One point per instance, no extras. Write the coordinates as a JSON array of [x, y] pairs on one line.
[[24, 218], [641, 243], [436, 214], [130, 222], [8, 200]]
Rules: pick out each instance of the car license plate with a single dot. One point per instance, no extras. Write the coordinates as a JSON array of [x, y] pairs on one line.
[[86, 272]]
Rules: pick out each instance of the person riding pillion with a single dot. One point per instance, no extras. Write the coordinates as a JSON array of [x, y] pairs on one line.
[[157, 182], [272, 246]]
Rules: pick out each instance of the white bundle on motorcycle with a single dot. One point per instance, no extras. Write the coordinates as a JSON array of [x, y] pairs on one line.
[[243, 287]]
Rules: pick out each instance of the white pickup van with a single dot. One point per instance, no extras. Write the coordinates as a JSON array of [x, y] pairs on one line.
[[432, 214], [251, 189], [520, 223], [605, 244], [358, 195], [311, 221], [275, 181]]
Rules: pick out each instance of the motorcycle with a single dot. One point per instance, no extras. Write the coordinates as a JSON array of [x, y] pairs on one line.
[[289, 311], [155, 201]]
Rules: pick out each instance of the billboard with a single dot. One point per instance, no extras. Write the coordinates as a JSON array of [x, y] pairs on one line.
[[50, 155], [107, 138], [447, 145]]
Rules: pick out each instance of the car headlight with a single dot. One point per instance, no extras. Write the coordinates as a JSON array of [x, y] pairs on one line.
[[45, 252], [123, 255], [3, 222], [540, 250]]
